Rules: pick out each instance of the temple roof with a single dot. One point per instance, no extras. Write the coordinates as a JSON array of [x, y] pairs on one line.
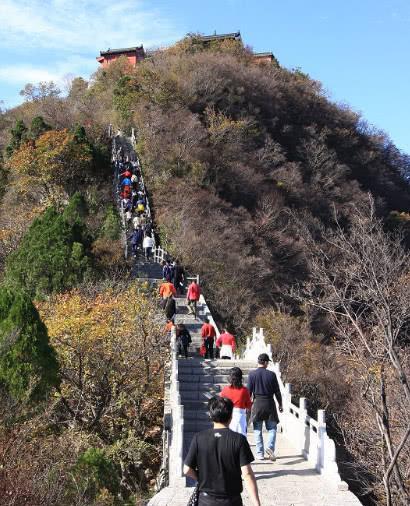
[[122, 50], [263, 55], [206, 38]]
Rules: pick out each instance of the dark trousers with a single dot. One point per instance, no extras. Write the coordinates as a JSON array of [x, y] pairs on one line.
[[183, 348], [209, 347], [207, 500], [135, 248]]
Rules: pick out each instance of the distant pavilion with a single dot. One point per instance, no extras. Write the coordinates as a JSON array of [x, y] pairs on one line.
[[137, 54]]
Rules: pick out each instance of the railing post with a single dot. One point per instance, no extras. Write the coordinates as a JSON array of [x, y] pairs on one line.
[[302, 426], [321, 434], [181, 440]]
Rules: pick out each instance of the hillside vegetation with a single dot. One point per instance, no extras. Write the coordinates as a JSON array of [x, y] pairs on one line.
[[292, 209], [283, 201]]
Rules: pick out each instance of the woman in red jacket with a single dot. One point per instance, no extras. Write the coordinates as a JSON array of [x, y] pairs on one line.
[[226, 343], [241, 399]]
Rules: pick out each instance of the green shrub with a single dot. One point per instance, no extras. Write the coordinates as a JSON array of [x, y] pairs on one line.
[[95, 471], [38, 126], [76, 210], [18, 135], [28, 364], [111, 228], [53, 254]]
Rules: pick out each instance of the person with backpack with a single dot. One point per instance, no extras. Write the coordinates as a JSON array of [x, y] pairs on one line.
[[241, 399], [263, 386], [226, 343], [192, 297], [166, 289], [170, 307], [136, 240], [167, 270], [184, 339], [126, 182], [208, 334]]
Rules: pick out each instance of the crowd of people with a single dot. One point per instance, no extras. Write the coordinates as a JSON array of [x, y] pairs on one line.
[[133, 199], [218, 458]]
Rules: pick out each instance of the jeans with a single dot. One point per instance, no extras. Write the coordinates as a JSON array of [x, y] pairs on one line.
[[257, 429], [192, 307], [207, 500]]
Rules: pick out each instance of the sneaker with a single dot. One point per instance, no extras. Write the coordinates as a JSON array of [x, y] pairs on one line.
[[260, 457], [271, 454]]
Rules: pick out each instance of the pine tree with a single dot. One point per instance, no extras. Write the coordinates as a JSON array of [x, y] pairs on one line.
[[28, 363], [38, 126], [111, 227], [53, 254], [18, 135], [76, 210]]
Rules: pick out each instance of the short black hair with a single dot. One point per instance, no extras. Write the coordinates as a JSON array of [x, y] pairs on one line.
[[220, 409]]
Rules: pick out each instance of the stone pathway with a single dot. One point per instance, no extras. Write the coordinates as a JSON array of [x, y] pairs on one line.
[[290, 481]]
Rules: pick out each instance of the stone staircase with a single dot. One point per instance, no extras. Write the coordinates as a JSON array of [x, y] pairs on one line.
[[294, 479], [146, 269], [199, 380]]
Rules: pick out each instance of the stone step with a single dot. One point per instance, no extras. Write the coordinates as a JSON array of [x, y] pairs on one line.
[[198, 396], [195, 405], [200, 387], [221, 364], [197, 425], [208, 366], [192, 414], [198, 378], [224, 371], [212, 364]]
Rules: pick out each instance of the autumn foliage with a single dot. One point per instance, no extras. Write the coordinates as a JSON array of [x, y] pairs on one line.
[[55, 163], [99, 434]]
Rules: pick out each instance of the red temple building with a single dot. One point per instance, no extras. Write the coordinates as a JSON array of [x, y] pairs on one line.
[[137, 54], [133, 54]]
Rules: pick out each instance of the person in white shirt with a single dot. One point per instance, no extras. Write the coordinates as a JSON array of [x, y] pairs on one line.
[[148, 244]]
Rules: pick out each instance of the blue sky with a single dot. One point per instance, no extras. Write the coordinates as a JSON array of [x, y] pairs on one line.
[[358, 49]]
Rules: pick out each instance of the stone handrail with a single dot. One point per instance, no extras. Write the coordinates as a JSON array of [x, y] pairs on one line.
[[177, 419], [308, 435], [115, 154]]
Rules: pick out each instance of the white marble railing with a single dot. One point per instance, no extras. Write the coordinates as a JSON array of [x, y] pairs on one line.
[[176, 447], [206, 312], [307, 435]]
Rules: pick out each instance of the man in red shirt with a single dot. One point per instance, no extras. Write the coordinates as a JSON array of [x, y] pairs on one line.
[[226, 343], [208, 335], [192, 297]]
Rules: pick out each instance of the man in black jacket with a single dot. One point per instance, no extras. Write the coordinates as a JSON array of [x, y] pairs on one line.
[[178, 276], [263, 387]]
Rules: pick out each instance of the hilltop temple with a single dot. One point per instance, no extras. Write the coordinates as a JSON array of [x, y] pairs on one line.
[[136, 54]]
